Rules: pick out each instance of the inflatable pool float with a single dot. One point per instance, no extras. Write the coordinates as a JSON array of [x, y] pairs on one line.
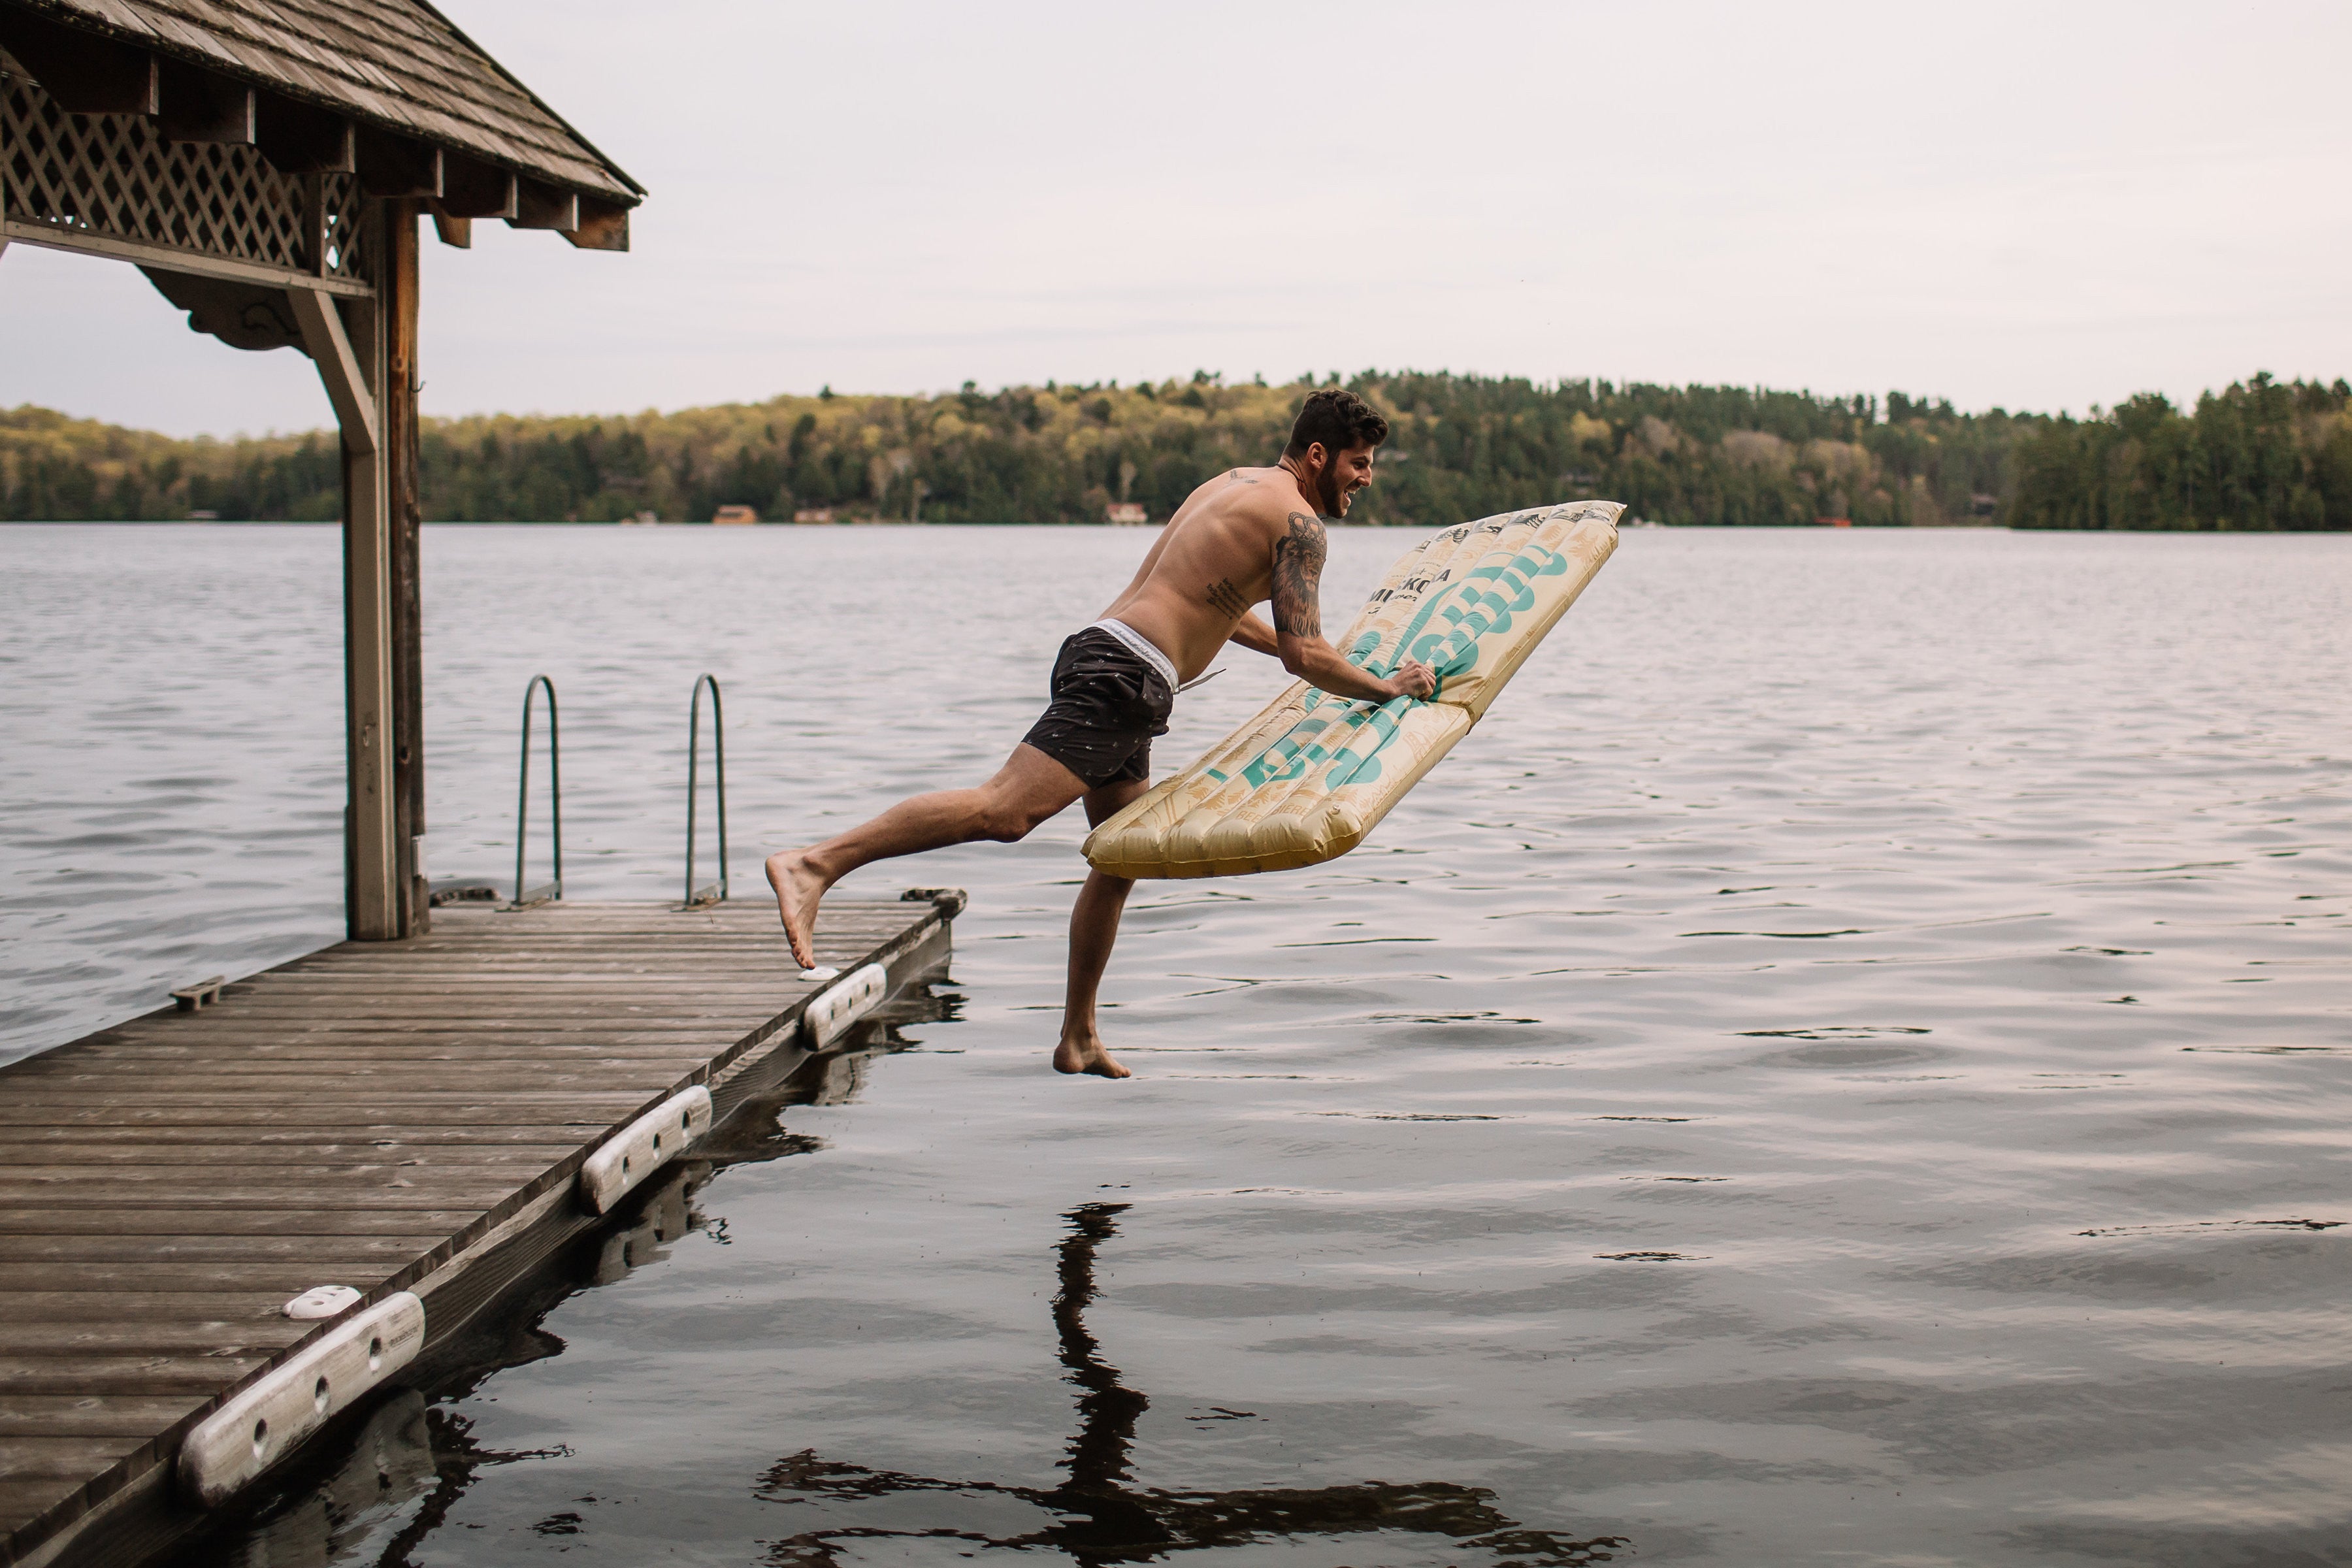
[[1306, 779]]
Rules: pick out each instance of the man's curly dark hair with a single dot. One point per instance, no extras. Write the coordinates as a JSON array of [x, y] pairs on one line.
[[1337, 418]]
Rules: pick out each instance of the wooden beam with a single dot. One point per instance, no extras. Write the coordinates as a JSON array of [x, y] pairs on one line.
[[602, 226], [391, 166], [349, 384], [544, 207], [352, 364], [471, 188], [378, 887], [50, 236], [455, 232], [85, 73], [302, 138], [197, 105], [406, 511]]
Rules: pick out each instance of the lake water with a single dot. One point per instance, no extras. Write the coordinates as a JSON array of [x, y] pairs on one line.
[[1848, 1065]]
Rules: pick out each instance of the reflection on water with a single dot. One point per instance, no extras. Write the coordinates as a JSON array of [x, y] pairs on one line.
[[1098, 1515], [391, 1464], [375, 1496], [380, 1494]]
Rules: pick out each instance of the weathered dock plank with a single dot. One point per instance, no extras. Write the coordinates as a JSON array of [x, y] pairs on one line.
[[170, 1221], [82, 1250], [147, 1373], [88, 1152], [514, 1110], [391, 1116]]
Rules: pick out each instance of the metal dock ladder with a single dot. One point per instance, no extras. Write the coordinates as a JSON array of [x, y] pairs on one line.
[[545, 892], [715, 892]]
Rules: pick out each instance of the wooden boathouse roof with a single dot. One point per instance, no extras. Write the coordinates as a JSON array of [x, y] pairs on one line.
[[394, 66]]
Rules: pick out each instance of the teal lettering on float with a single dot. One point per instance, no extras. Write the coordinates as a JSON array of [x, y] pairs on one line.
[[1313, 742], [1484, 599]]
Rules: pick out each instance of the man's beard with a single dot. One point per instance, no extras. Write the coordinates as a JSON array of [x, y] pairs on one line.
[[1327, 493]]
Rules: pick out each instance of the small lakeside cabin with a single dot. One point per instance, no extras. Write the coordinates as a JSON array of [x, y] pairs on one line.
[[1126, 513], [735, 517]]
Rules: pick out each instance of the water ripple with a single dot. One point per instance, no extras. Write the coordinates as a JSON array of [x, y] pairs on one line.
[[1787, 1089]]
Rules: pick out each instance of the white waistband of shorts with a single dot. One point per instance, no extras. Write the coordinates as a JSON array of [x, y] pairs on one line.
[[1141, 647]]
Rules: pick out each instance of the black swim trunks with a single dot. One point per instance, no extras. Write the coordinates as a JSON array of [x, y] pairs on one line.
[[1108, 702]]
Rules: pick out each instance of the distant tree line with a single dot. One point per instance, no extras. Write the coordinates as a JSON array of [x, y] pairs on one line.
[[55, 469], [2260, 454]]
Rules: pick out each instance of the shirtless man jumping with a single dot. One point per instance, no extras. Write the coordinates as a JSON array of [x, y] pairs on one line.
[[1242, 538]]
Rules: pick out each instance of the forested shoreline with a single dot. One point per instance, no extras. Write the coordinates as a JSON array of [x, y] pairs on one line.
[[2260, 455]]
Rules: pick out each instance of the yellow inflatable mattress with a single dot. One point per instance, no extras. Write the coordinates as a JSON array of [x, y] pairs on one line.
[[1305, 781]]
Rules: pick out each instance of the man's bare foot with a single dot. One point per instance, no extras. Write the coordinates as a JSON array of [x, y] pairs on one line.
[[1087, 1055], [798, 889]]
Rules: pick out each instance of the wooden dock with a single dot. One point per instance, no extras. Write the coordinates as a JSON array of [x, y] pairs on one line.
[[408, 1116]]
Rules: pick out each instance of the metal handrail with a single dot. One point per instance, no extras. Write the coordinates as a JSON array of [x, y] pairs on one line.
[[716, 892], [525, 899]]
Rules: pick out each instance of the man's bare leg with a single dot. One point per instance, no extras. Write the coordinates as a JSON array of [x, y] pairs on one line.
[[1030, 787], [1094, 928]]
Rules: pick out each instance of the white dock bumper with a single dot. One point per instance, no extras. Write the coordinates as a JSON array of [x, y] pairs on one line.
[[258, 1427], [643, 1147], [829, 1014]]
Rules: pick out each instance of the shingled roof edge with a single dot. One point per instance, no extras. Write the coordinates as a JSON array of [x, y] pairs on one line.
[[65, 13], [622, 174]]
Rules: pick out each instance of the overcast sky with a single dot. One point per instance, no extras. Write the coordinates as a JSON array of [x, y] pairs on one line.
[[2037, 206]]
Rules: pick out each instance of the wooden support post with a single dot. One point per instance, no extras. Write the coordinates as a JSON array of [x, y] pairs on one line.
[[351, 380], [400, 445], [351, 358]]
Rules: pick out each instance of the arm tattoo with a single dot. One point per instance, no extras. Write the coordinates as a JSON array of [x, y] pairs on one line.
[[1226, 598], [1299, 578]]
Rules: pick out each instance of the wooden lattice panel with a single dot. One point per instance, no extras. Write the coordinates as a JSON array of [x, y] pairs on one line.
[[115, 177]]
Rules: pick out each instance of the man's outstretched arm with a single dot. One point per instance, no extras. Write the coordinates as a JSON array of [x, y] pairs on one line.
[[1299, 623]]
